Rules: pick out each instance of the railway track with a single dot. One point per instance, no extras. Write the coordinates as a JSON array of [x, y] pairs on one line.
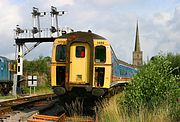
[[44, 108], [20, 109]]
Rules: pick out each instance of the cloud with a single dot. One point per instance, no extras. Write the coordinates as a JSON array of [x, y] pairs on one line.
[[114, 20], [161, 33], [110, 3], [46, 4], [9, 18]]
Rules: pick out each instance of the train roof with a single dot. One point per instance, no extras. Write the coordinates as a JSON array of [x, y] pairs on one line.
[[2, 59], [83, 34]]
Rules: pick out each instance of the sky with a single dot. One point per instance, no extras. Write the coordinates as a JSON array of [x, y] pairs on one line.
[[158, 20]]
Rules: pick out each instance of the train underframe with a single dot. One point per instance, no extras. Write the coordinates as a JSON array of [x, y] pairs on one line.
[[87, 91], [80, 91], [5, 87]]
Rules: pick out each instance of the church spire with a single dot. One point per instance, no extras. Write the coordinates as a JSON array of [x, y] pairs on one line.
[[137, 53], [137, 42]]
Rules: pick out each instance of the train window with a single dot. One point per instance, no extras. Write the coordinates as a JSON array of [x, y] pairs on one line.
[[100, 54], [80, 51], [99, 76], [1, 60], [61, 53]]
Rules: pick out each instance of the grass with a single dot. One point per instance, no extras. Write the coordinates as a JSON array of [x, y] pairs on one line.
[[111, 111], [75, 108], [75, 111], [38, 90], [7, 97]]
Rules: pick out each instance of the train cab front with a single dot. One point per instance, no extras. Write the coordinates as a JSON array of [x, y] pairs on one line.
[[81, 62], [72, 63]]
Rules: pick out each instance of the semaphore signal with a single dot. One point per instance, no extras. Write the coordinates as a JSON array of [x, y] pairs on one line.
[[23, 36]]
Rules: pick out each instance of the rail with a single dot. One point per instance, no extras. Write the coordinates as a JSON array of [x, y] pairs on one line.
[[6, 106]]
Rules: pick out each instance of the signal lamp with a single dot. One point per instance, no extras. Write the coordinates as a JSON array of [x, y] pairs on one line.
[[53, 29], [35, 30]]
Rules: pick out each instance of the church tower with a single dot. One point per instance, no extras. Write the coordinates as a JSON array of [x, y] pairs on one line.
[[137, 53]]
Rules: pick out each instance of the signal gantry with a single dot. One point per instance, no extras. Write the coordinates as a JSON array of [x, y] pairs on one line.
[[36, 35]]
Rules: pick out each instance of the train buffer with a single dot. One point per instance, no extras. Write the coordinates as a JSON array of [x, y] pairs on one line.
[[62, 118]]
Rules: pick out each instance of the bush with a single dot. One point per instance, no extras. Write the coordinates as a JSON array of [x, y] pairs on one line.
[[152, 87]]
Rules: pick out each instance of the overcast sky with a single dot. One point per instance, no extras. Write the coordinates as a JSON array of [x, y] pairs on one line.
[[159, 23]]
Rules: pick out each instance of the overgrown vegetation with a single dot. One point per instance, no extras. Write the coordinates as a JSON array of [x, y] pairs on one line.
[[151, 96], [41, 68], [42, 89], [175, 63], [7, 97], [153, 87], [40, 65], [112, 111]]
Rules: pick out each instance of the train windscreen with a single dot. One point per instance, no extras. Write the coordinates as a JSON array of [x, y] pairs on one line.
[[100, 54], [61, 53]]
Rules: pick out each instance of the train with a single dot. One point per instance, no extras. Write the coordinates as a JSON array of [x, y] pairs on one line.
[[85, 62], [6, 73]]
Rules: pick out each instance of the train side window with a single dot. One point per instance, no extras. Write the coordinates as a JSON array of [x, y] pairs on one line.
[[1, 60], [80, 51], [100, 54], [61, 53]]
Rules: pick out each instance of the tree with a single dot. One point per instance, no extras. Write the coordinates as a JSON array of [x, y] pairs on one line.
[[153, 86], [175, 62], [40, 65]]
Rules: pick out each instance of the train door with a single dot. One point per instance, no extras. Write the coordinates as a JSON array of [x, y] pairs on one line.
[[1, 71], [79, 63]]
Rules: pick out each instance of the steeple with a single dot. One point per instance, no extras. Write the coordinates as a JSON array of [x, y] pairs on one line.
[[137, 53], [137, 43]]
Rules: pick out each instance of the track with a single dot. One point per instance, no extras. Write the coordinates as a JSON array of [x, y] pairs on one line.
[[21, 109], [49, 108]]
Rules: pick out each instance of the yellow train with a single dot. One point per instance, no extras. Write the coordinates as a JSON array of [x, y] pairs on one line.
[[86, 61]]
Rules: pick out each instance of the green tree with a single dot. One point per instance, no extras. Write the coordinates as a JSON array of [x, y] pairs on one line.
[[153, 86], [40, 65], [175, 62]]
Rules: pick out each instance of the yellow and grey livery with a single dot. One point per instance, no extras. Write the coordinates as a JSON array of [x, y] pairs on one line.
[[81, 60]]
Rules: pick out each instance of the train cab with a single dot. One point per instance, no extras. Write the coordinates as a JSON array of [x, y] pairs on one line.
[[81, 60]]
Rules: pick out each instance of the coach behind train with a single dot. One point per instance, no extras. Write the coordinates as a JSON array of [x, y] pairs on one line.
[[5, 76]]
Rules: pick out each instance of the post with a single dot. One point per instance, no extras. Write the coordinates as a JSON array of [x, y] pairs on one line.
[[34, 90], [19, 66], [57, 25], [39, 29], [30, 91], [36, 14], [14, 85]]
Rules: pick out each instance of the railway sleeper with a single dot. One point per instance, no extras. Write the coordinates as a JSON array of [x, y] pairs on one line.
[[62, 118]]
